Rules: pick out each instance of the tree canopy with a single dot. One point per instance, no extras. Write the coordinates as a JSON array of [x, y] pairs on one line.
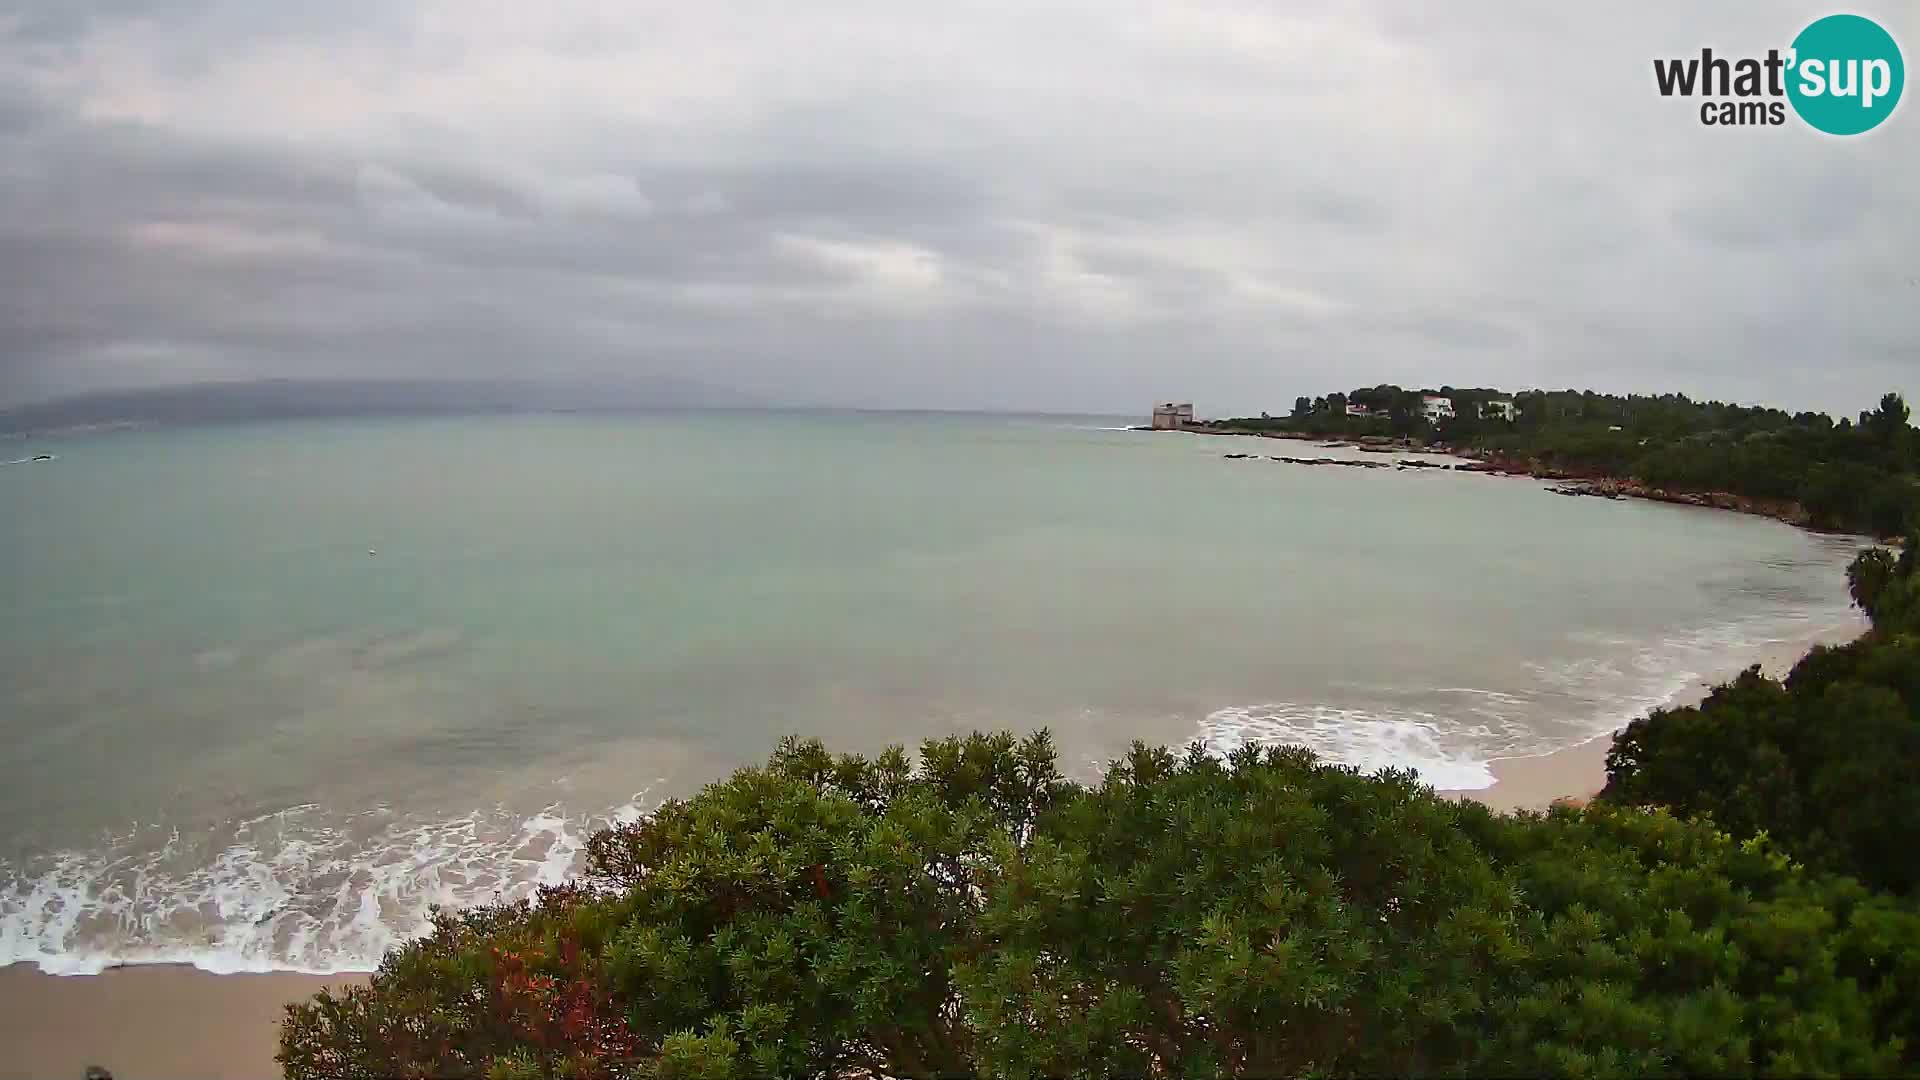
[[1862, 476], [975, 913]]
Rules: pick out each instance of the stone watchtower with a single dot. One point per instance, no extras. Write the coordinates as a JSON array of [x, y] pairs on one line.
[[1172, 415]]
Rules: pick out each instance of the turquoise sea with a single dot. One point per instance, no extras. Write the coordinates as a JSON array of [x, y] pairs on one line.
[[269, 691]]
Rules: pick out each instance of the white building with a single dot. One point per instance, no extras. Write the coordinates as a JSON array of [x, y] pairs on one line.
[[1359, 410], [1498, 409], [1436, 408], [1172, 415]]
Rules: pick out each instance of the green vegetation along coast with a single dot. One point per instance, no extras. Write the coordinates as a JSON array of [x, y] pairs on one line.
[[1740, 901], [1857, 475]]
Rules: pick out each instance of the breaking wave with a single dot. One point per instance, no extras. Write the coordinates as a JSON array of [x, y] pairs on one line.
[[1450, 736], [1367, 740], [299, 890]]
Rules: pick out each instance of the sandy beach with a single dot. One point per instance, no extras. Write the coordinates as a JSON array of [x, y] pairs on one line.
[[146, 1023]]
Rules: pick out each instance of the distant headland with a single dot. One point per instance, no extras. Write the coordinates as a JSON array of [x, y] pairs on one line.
[[285, 399], [1859, 475]]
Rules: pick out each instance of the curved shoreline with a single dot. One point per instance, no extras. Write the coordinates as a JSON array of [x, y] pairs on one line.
[[1537, 781]]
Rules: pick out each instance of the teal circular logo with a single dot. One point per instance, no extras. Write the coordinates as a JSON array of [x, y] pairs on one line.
[[1845, 75]]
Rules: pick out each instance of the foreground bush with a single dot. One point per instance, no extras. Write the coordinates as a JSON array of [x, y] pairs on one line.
[[1825, 763], [1267, 915]]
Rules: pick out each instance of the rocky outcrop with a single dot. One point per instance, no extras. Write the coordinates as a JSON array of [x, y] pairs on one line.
[[1245, 433], [1577, 481], [1781, 509], [1351, 463], [1283, 459], [1591, 482]]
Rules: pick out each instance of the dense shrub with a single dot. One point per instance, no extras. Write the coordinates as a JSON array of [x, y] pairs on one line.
[[1824, 763], [1265, 915]]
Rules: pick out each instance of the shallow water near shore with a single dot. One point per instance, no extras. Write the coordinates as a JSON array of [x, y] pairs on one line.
[[270, 691]]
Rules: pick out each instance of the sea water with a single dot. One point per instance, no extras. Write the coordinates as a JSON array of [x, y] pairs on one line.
[[271, 691]]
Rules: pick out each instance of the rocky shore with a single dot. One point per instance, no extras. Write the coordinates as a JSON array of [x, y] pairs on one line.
[[1573, 482], [1349, 463], [1585, 483]]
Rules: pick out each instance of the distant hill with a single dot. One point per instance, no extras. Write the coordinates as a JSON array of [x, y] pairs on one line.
[[226, 402]]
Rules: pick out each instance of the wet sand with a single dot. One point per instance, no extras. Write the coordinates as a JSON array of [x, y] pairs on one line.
[[146, 1023]]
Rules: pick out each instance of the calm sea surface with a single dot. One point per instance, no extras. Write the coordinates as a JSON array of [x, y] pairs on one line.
[[268, 691]]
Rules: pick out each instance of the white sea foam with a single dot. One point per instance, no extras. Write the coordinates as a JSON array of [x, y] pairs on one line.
[[1453, 736], [1369, 741], [292, 891]]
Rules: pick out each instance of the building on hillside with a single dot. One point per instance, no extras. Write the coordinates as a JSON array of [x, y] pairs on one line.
[[1436, 408], [1360, 411], [1498, 409], [1172, 415]]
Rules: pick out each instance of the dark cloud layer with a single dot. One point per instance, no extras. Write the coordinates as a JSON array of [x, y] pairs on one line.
[[1062, 205]]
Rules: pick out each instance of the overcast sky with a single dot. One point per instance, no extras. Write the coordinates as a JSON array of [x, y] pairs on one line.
[[1024, 204]]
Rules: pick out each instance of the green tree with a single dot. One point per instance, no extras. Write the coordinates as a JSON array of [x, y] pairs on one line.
[[975, 914], [1869, 578], [1822, 762], [1888, 422]]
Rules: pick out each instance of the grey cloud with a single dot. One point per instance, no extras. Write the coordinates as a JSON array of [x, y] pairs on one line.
[[1056, 206], [1459, 331]]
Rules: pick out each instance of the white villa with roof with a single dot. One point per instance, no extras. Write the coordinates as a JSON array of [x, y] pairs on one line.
[[1436, 408]]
